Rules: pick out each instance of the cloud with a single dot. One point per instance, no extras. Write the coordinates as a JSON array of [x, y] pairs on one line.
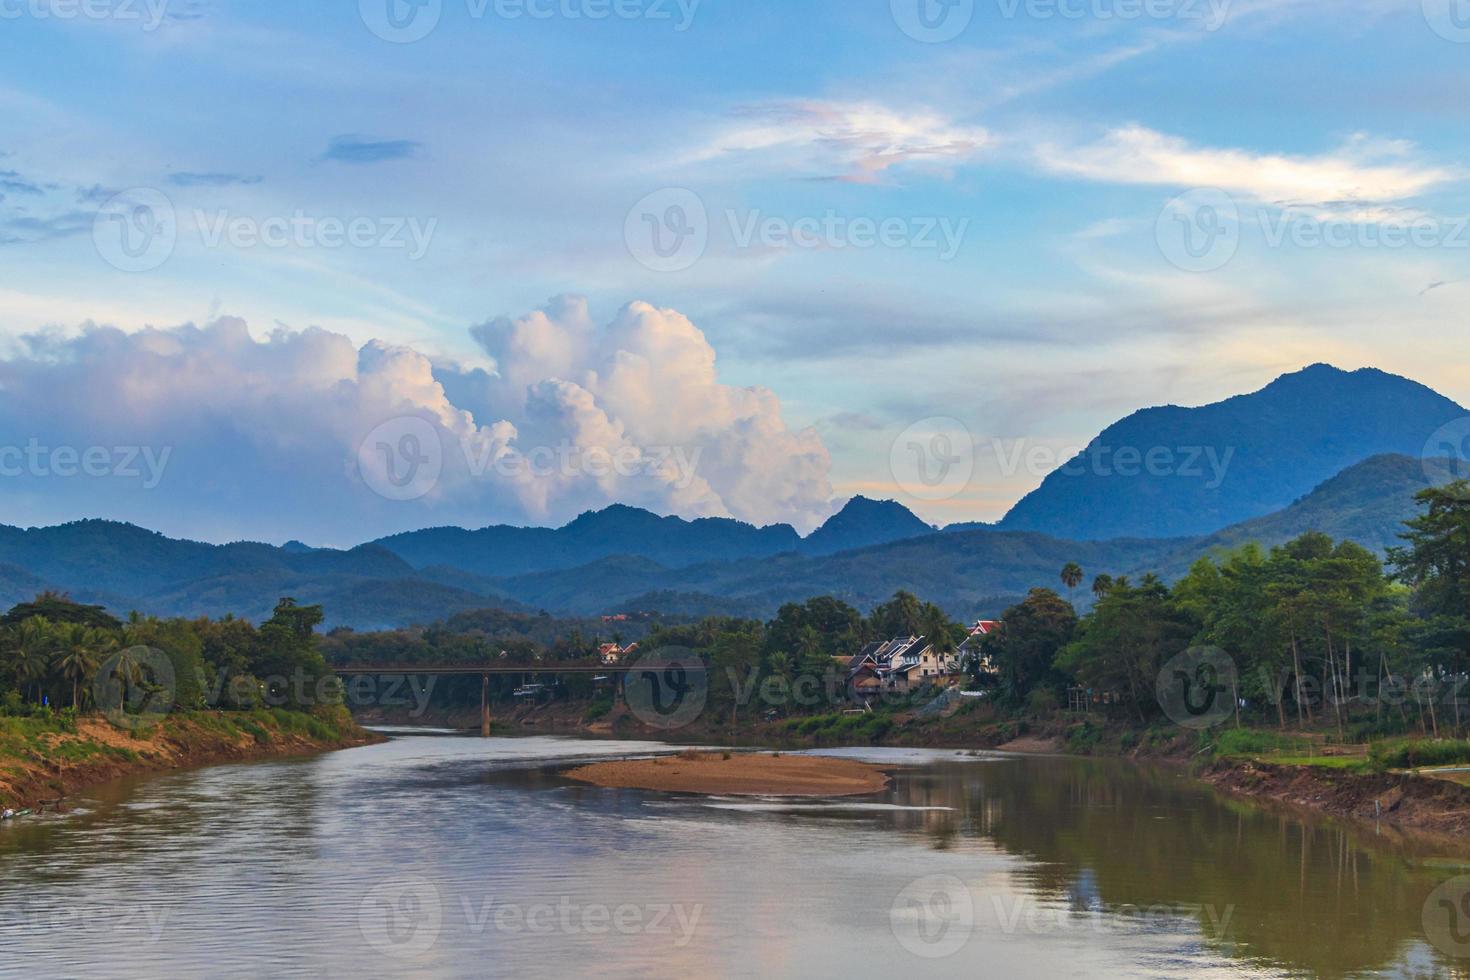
[[24, 229], [1363, 170], [648, 379], [96, 194], [15, 183], [360, 149], [187, 179], [857, 142], [263, 437]]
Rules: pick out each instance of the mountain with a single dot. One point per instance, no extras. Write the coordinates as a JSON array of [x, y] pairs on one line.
[[618, 530], [863, 522], [975, 573], [1267, 447], [972, 573], [1232, 461], [1367, 503], [125, 567]]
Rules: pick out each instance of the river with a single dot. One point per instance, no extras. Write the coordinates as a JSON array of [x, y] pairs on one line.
[[447, 856]]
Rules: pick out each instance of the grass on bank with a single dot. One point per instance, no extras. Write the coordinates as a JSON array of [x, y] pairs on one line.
[[55, 736], [1374, 755]]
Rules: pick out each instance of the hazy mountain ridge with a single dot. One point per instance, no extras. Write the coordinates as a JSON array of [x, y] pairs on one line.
[[623, 557], [971, 573], [618, 530], [863, 522], [1273, 446]]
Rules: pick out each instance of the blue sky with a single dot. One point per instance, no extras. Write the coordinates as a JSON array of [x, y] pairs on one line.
[[980, 236]]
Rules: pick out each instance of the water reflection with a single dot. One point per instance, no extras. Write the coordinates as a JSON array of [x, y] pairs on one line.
[[464, 857]]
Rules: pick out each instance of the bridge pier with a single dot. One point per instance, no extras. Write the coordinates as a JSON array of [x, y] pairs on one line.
[[484, 705]]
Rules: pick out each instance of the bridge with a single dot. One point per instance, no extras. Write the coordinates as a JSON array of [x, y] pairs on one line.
[[486, 671]]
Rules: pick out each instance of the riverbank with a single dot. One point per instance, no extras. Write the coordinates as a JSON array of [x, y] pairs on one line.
[[45, 760], [1411, 803], [1328, 785], [738, 774]]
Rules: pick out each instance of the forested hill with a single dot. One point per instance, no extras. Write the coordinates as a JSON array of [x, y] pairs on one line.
[[1233, 461]]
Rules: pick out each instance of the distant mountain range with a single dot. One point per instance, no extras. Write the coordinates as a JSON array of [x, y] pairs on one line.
[[618, 530], [1239, 459], [625, 558]]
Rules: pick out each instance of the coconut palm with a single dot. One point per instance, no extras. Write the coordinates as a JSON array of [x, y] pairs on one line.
[[1072, 577], [30, 645], [80, 652], [1101, 585]]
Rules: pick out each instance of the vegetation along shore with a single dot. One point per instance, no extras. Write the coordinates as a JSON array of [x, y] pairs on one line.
[[85, 698]]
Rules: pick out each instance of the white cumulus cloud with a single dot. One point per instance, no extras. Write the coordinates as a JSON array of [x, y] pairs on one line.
[[260, 438]]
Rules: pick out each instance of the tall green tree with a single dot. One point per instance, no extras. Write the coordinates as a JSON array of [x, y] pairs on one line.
[[1025, 649], [1072, 576]]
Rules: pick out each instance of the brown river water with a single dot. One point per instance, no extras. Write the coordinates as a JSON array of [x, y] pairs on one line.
[[446, 856]]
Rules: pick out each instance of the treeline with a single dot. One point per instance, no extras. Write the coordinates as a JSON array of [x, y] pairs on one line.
[[1319, 632], [790, 659], [801, 641], [52, 651], [483, 636]]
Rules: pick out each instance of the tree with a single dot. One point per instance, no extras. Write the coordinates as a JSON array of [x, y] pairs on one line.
[[1072, 576], [1435, 564], [1025, 650], [939, 631], [1123, 644], [1436, 560], [57, 608], [903, 615], [1100, 585], [30, 645], [80, 650]]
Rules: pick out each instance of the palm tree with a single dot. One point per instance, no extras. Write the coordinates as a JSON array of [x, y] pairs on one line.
[[81, 651], [1072, 577], [1101, 585], [30, 645]]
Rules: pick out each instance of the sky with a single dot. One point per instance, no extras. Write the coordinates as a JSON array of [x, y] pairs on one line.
[[332, 270]]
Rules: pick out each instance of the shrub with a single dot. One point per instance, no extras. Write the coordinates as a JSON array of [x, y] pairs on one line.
[[1251, 741], [1083, 738], [1416, 753]]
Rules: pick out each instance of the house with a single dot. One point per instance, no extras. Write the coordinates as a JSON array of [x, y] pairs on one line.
[[897, 665], [972, 650], [939, 668], [905, 662], [611, 653]]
